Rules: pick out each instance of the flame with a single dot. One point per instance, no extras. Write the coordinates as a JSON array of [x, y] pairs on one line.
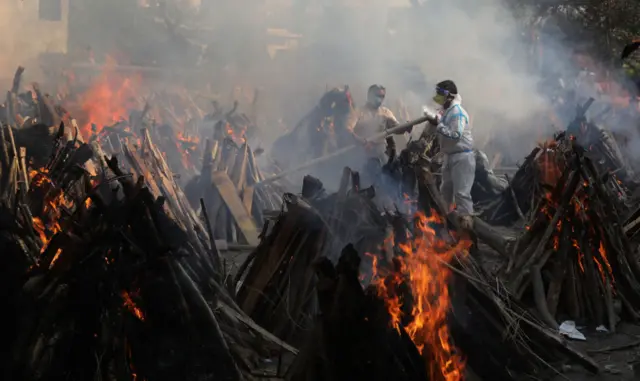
[[423, 266], [38, 177], [39, 227], [48, 225], [236, 136], [187, 146], [55, 258], [131, 306], [109, 99], [548, 162]]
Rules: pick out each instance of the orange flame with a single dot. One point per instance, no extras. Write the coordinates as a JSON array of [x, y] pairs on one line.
[[548, 162], [424, 267], [108, 100], [131, 306], [55, 258], [187, 146], [51, 211], [39, 227], [238, 137]]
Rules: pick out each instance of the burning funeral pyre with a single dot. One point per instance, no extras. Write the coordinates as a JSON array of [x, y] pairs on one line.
[[116, 271], [575, 260]]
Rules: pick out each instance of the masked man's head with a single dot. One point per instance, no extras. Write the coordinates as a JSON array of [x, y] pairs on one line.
[[375, 96], [445, 92]]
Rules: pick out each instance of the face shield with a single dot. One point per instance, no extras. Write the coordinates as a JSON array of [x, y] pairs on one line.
[[441, 96]]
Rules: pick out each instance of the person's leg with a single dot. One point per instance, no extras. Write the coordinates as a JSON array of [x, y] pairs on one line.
[[446, 187], [463, 170], [372, 171]]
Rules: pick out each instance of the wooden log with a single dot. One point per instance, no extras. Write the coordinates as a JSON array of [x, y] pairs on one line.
[[194, 296], [592, 285], [349, 319], [571, 296], [524, 243], [239, 173], [247, 198], [611, 315], [215, 254], [47, 112], [568, 192], [514, 199], [253, 175], [229, 194], [10, 109], [5, 148], [17, 78], [268, 260], [539, 297], [23, 168], [230, 157], [558, 272]]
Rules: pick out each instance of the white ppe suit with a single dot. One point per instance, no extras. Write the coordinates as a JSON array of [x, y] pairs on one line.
[[458, 171]]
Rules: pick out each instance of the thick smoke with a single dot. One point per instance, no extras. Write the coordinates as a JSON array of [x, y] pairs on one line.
[[292, 51], [409, 49]]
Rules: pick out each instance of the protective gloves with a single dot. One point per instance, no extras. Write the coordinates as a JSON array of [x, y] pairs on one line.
[[434, 118]]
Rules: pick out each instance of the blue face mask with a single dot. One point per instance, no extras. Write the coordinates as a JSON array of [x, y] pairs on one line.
[[376, 101]]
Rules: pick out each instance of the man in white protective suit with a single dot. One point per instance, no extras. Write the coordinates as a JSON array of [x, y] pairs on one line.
[[451, 124]]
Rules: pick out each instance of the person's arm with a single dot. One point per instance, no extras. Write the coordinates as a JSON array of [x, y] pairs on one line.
[[391, 122], [352, 123], [456, 125]]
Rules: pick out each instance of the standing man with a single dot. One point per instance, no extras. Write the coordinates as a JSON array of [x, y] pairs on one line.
[[370, 120], [453, 130]]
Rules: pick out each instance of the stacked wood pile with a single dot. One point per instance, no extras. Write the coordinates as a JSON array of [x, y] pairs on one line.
[[354, 336], [228, 183], [538, 174], [292, 287], [276, 283], [226, 177], [532, 182], [575, 261], [111, 275]]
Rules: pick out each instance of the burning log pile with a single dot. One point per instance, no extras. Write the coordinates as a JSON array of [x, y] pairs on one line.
[[540, 171], [111, 276], [277, 289], [158, 141], [227, 176], [401, 325], [532, 182], [433, 316], [574, 260]]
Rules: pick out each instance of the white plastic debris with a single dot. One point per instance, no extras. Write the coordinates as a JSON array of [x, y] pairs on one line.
[[568, 328], [601, 328]]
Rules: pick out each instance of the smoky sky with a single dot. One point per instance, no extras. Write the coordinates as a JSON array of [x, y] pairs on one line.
[[480, 45]]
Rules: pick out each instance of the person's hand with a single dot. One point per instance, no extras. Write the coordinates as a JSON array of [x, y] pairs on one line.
[[364, 142], [368, 145], [432, 116]]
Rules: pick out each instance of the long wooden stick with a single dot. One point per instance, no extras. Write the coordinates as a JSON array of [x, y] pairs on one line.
[[344, 150]]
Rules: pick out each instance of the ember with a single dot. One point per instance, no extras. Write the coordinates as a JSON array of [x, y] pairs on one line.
[[131, 306]]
